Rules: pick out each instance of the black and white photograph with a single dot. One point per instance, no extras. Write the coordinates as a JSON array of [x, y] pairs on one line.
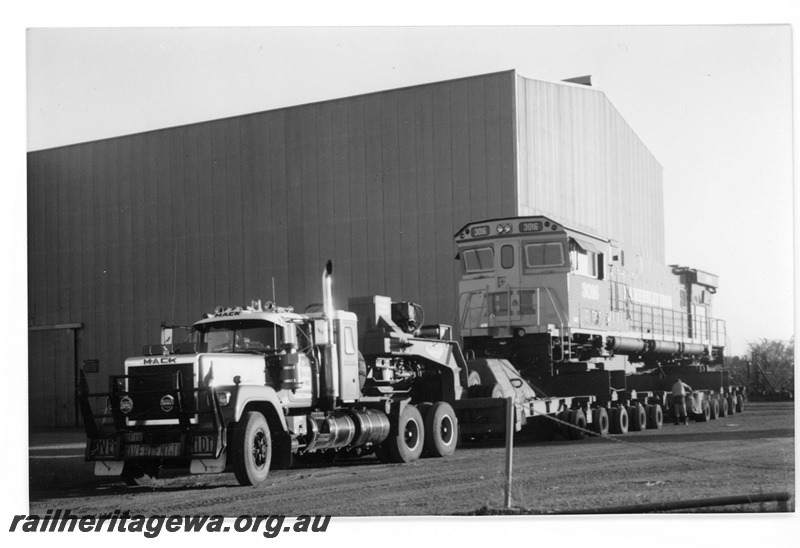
[[430, 281]]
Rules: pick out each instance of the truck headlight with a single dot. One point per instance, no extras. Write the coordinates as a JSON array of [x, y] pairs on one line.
[[224, 398]]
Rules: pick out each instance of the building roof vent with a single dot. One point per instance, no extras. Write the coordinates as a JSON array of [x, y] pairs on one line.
[[582, 80]]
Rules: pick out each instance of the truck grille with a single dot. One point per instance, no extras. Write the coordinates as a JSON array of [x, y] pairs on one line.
[[148, 385]]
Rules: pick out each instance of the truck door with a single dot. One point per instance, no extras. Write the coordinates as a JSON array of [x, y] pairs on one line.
[[349, 388]]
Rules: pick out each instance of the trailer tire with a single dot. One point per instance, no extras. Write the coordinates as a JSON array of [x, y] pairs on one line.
[[252, 444], [714, 409], [740, 403], [705, 412], [600, 421], [619, 420], [723, 407], [441, 430], [407, 443], [578, 420], [655, 417], [564, 425], [638, 418]]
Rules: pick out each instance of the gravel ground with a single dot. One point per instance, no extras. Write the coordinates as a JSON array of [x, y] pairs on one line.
[[749, 453]]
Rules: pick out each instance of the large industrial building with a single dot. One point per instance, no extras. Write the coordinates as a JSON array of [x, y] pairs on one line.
[[125, 233]]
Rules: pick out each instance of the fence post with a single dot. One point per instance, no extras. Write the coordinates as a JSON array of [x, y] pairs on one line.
[[509, 446]]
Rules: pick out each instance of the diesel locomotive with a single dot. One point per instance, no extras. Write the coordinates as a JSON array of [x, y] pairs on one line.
[[558, 302]]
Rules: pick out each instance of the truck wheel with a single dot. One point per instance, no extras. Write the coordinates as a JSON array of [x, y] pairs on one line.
[[441, 430], [619, 420], [731, 405], [578, 420], [714, 405], [740, 404], [723, 407], [406, 445], [253, 449], [600, 421], [655, 419]]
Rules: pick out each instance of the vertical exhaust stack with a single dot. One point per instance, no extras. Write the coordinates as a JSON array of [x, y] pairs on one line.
[[330, 353], [327, 294]]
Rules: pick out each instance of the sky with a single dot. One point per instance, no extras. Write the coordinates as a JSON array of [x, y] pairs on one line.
[[709, 91], [712, 103]]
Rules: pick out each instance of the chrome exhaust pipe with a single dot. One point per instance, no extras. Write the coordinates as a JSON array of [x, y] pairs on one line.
[[330, 352], [327, 293]]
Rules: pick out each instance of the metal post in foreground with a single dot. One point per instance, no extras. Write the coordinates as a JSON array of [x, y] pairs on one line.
[[509, 446]]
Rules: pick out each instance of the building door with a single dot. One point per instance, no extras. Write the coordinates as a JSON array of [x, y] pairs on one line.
[[51, 376]]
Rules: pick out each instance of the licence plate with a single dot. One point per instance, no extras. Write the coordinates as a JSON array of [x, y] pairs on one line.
[[161, 450]]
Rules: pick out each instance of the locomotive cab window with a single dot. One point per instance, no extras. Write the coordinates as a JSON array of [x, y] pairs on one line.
[[585, 262], [479, 259], [507, 256], [546, 254]]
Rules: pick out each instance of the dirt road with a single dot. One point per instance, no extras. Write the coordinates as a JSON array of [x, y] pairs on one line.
[[745, 453]]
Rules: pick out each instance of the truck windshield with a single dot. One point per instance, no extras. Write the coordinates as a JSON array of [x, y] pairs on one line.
[[242, 336]]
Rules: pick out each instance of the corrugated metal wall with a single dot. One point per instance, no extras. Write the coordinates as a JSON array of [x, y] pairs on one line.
[[581, 163], [127, 232]]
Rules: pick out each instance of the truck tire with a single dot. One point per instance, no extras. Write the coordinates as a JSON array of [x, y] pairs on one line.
[[252, 444], [740, 403], [600, 422], [638, 418], [714, 405], [407, 443], [731, 405], [578, 420], [619, 420], [655, 418], [441, 430], [723, 407]]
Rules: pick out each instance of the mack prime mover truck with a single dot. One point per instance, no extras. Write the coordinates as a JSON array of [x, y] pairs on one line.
[[257, 387]]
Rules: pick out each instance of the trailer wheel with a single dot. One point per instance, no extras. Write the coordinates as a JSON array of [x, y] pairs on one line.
[[723, 407], [619, 420], [714, 407], [740, 403], [406, 445], [564, 425], [705, 412], [600, 421], [638, 418], [655, 417], [252, 445], [441, 430], [578, 420]]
